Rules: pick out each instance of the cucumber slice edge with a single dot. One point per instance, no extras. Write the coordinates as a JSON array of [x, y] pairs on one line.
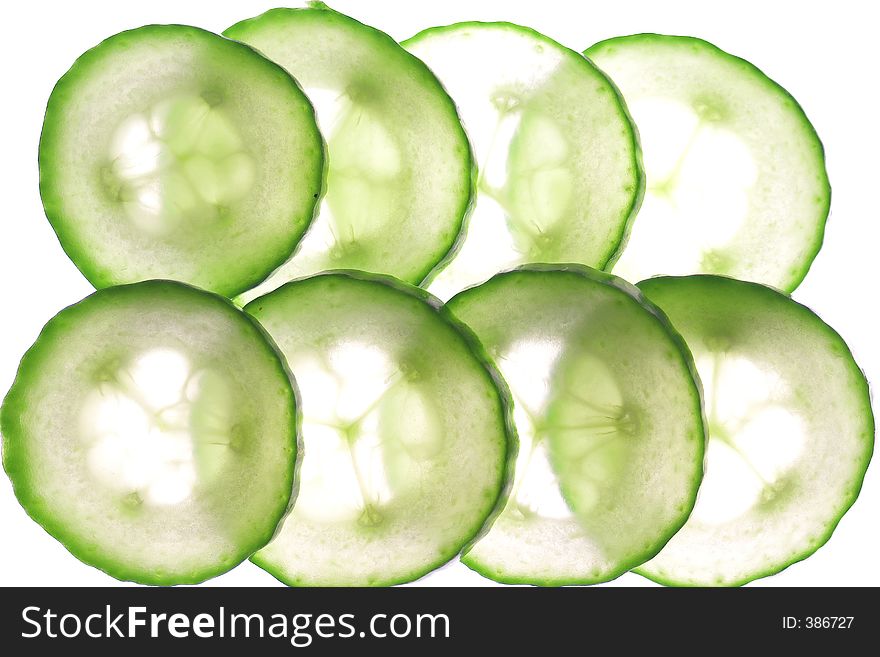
[[637, 296], [31, 502], [477, 349], [98, 275], [867, 396], [637, 163], [454, 245], [758, 74]]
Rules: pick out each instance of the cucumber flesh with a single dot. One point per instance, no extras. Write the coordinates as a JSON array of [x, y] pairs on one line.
[[171, 152], [400, 170], [405, 429], [790, 424], [152, 429], [560, 173], [609, 418], [736, 173]]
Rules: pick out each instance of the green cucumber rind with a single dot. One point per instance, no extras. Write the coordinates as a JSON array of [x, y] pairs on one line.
[[453, 246], [638, 168], [486, 362], [12, 433], [459, 238], [636, 295], [94, 272], [798, 277], [864, 390]]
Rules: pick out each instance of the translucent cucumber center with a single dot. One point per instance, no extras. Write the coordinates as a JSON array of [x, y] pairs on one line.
[[179, 164], [755, 440], [525, 187], [593, 432], [370, 432], [539, 186], [365, 173], [527, 367], [576, 431], [155, 429], [700, 175]]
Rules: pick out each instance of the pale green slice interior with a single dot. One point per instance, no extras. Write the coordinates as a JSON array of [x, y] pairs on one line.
[[736, 181], [399, 179], [152, 429], [609, 419], [790, 424], [405, 435], [177, 165], [171, 152], [559, 172]]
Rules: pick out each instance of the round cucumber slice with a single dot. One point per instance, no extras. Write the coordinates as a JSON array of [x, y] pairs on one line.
[[736, 173], [171, 152], [152, 429], [609, 417], [559, 164], [790, 424], [400, 176], [405, 427]]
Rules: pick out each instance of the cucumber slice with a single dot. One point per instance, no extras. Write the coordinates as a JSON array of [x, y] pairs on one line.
[[152, 430], [560, 171], [171, 152], [406, 431], [790, 425], [736, 173], [400, 177], [609, 418]]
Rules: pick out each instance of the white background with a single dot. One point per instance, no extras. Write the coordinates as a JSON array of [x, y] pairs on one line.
[[822, 52]]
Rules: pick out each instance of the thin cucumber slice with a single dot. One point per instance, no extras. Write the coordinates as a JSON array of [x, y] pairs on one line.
[[790, 424], [610, 422], [400, 177], [152, 429], [560, 173], [406, 431], [171, 152], [736, 173]]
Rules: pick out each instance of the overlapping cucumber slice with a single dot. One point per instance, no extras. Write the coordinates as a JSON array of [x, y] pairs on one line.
[[609, 418], [400, 170], [406, 431], [790, 424], [171, 152], [736, 173], [559, 165], [152, 429]]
